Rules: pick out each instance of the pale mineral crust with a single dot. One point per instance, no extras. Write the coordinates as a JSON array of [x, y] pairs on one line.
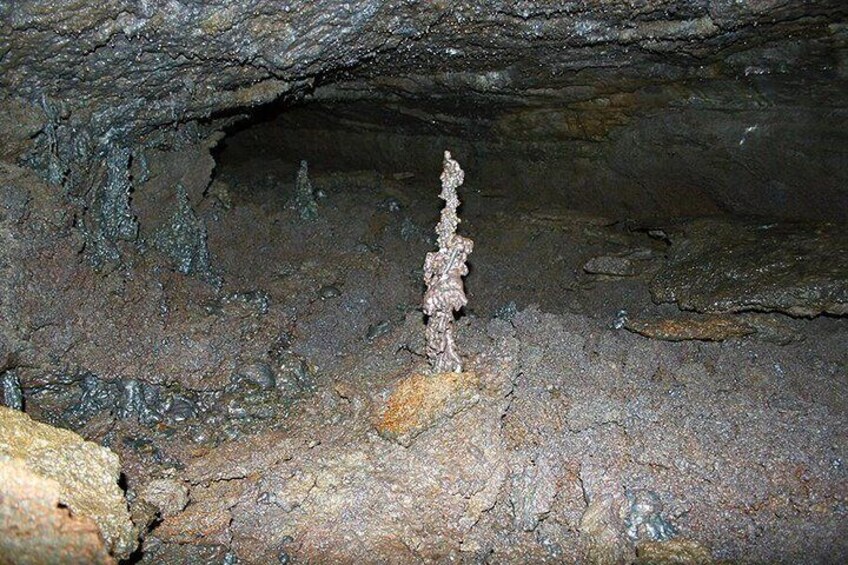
[[83, 476], [443, 272]]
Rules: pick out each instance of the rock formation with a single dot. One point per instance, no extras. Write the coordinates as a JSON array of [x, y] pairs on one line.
[[443, 272], [41, 468]]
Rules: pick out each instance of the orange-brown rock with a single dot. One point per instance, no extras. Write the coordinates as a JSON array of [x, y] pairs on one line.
[[35, 527], [419, 402], [705, 328]]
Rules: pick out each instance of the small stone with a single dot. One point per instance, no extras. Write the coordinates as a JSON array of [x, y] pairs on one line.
[[329, 291], [390, 205], [266, 498], [659, 234], [260, 374], [644, 520], [377, 329], [11, 395], [610, 265], [419, 402], [168, 495], [507, 312], [236, 410], [181, 409], [620, 320]]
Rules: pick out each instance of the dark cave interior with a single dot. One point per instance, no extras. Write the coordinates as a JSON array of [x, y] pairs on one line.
[[213, 228]]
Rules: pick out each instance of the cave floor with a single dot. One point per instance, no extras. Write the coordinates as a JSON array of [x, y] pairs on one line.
[[580, 436]]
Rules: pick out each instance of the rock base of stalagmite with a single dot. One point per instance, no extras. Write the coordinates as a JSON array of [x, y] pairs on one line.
[[419, 402]]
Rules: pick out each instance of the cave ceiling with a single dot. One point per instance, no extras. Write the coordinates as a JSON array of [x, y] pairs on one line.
[[127, 68]]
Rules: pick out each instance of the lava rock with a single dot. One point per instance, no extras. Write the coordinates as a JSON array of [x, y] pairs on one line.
[[85, 475], [610, 265], [183, 239], [36, 526], [168, 495], [11, 395], [260, 374], [328, 291], [257, 300], [715, 327], [420, 402], [97, 396], [673, 552], [533, 492], [602, 527], [294, 374], [139, 400], [507, 312], [13, 202], [377, 329], [723, 266], [644, 519], [181, 408]]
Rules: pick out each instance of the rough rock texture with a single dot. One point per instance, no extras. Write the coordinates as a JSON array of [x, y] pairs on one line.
[[610, 266], [577, 429], [148, 65], [740, 441], [77, 321], [421, 401], [334, 489], [600, 526], [725, 266], [51, 465], [169, 496], [706, 328], [244, 410], [673, 552], [691, 97], [37, 527]]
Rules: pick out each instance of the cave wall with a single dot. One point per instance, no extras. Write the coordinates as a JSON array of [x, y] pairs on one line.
[[651, 98], [693, 146], [125, 69], [109, 112]]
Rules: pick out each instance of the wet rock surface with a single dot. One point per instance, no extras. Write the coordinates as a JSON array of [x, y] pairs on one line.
[[264, 445], [260, 49], [11, 395], [249, 347], [721, 266]]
